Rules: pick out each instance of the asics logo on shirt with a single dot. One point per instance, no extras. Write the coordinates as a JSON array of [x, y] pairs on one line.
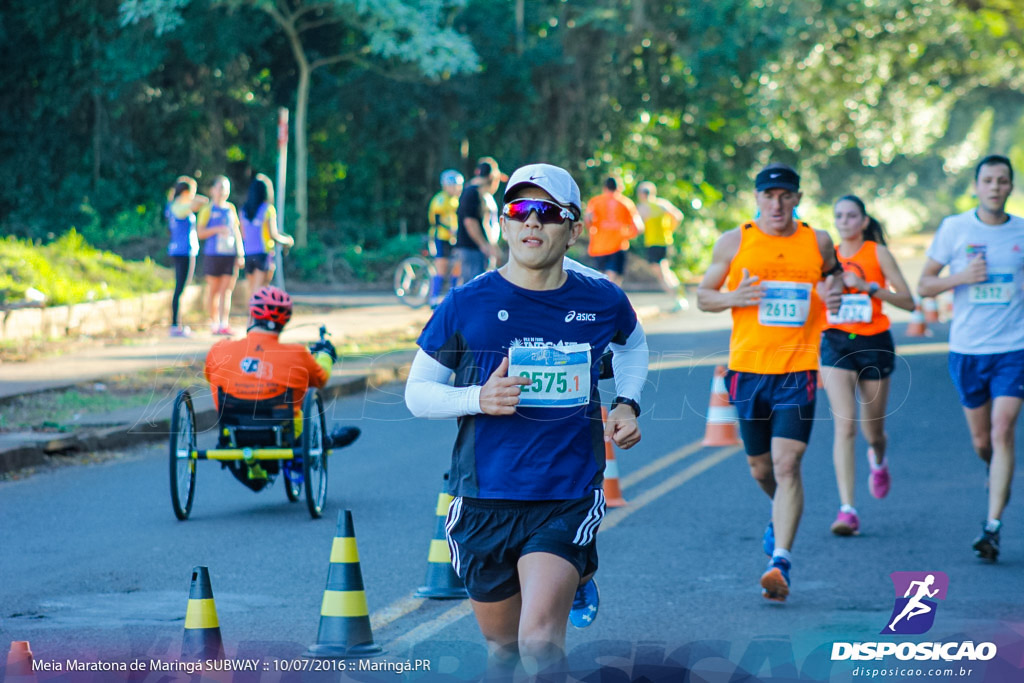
[[580, 317]]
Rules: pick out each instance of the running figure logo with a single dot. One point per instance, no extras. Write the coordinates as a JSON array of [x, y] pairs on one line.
[[914, 613]]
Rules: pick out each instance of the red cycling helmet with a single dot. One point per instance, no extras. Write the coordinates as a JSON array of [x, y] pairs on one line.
[[271, 304]]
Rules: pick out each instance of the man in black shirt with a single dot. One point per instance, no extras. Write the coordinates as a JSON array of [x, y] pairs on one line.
[[475, 247]]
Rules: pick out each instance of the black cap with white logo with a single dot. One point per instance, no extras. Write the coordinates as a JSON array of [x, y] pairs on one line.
[[777, 176]]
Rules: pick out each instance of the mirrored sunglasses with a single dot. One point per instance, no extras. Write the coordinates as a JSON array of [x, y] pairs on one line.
[[547, 212]]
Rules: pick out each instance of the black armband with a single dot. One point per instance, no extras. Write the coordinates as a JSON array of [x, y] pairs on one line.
[[837, 269], [619, 400]]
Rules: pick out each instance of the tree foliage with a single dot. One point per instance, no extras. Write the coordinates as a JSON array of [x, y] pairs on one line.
[[106, 102]]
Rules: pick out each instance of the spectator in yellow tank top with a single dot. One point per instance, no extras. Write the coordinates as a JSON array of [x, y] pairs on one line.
[[661, 218]]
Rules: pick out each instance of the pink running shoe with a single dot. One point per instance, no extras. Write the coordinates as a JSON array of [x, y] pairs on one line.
[[846, 524], [225, 331], [879, 481]]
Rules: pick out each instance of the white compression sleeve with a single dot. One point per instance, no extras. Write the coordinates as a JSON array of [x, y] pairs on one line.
[[630, 362], [429, 394]]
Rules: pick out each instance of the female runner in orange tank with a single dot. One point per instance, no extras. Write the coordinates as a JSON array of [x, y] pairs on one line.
[[857, 353]]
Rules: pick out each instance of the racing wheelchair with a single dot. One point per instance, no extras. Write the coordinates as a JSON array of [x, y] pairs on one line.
[[254, 436]]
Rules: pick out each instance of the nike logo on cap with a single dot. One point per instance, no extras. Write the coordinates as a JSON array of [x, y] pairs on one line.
[[774, 175], [537, 177]]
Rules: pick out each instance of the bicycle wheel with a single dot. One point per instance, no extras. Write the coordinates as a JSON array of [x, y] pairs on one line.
[[314, 452], [183, 465], [412, 281]]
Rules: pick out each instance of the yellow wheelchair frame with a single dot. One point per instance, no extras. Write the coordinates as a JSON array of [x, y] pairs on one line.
[[310, 453]]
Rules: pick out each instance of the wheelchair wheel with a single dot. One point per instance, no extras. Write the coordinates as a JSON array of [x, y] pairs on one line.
[[183, 466], [292, 481], [412, 281], [314, 452]]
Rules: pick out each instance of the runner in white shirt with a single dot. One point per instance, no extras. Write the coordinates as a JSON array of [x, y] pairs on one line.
[[984, 249]]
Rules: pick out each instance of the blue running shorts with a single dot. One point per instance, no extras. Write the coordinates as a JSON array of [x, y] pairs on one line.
[[980, 377], [772, 405]]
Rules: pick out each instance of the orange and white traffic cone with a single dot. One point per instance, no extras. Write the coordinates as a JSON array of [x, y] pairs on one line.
[[946, 305], [612, 491], [723, 421], [931, 310], [19, 663], [918, 326]]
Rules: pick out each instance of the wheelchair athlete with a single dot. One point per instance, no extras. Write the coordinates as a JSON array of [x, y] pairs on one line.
[[259, 368]]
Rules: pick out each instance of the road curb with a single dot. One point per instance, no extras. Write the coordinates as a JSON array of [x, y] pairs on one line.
[[40, 452]]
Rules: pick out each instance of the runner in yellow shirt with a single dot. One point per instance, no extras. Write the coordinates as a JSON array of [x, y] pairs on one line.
[[444, 221], [661, 218]]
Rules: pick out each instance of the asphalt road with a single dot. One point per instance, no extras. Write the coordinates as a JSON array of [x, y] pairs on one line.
[[95, 566]]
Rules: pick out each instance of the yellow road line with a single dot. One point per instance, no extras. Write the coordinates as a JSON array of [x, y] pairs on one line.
[[660, 464], [922, 349], [429, 628], [611, 520], [395, 610], [616, 516], [409, 604]]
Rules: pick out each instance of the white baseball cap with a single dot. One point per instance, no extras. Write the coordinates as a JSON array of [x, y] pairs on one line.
[[554, 180]]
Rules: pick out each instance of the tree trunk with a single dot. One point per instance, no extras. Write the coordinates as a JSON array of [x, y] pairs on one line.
[[301, 154], [520, 26], [97, 138]]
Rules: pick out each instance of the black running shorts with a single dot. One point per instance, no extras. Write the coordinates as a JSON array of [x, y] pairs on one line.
[[872, 356], [487, 537]]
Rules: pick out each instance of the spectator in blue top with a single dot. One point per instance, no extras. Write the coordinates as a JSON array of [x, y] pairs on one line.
[[260, 235], [180, 212]]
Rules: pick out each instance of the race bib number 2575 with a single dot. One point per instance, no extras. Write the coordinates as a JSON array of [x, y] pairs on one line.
[[559, 375]]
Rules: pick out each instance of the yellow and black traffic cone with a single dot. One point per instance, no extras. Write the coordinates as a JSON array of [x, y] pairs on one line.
[[344, 617], [19, 664], [442, 583], [202, 630]]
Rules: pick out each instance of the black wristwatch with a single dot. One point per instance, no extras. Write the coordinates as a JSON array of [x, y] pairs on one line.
[[629, 402], [873, 288]]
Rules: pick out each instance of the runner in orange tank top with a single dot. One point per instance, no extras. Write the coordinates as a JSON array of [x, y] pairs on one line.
[[857, 352], [611, 220], [772, 270]]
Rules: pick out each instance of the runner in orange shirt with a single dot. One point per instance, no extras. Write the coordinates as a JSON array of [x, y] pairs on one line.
[[770, 269], [857, 353], [260, 367], [612, 220]]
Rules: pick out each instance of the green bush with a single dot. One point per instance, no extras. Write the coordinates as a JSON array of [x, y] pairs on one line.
[[69, 270]]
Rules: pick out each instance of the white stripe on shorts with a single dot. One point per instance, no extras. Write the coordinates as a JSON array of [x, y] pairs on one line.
[[588, 529], [454, 514]]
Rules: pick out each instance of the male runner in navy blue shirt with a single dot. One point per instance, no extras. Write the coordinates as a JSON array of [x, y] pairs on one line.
[[523, 344]]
